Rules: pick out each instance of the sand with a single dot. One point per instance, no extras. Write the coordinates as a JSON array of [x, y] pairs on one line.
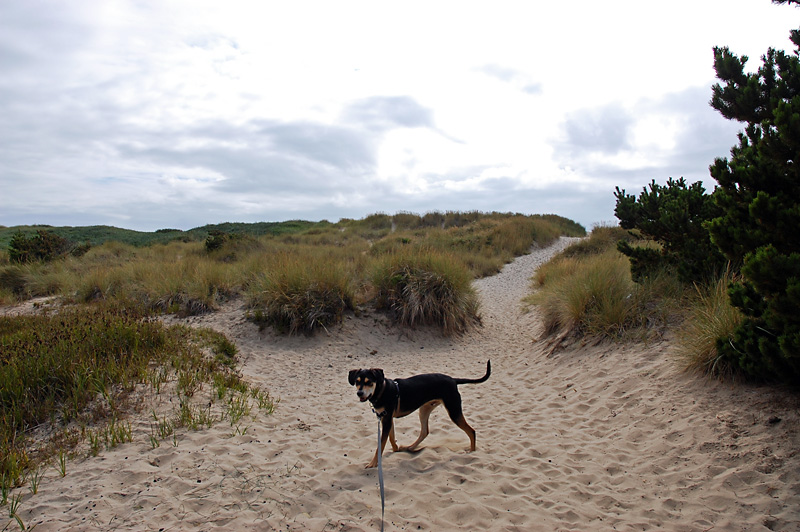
[[589, 437]]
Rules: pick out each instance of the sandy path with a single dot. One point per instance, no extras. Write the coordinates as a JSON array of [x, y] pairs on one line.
[[593, 438]]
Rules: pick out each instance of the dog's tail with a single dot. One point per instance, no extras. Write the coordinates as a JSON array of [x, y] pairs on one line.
[[477, 381]]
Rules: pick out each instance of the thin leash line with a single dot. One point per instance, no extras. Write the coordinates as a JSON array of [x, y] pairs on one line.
[[380, 475]]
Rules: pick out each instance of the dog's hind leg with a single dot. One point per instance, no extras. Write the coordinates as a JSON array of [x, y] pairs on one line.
[[424, 413], [457, 415]]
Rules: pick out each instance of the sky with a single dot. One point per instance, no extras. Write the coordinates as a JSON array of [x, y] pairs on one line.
[[176, 114]]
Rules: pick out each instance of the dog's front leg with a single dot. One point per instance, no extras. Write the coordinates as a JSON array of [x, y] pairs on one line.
[[387, 429], [395, 448]]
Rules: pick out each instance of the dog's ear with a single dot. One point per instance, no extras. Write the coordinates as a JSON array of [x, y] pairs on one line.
[[378, 374], [351, 377]]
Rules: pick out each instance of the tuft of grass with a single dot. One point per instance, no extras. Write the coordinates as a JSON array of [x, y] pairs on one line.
[[301, 294], [710, 320], [594, 295], [587, 289], [426, 288]]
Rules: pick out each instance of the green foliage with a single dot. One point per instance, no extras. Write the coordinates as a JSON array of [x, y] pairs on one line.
[[81, 363], [44, 246], [674, 216], [759, 208]]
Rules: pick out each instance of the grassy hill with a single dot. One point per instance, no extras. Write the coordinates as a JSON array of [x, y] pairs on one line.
[[99, 234]]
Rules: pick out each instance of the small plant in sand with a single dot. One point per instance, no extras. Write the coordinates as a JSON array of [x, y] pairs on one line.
[[61, 463], [13, 510]]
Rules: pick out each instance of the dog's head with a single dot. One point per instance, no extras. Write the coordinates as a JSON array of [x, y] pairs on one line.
[[366, 381]]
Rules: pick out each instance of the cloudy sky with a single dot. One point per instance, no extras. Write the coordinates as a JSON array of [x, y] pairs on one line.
[[153, 114]]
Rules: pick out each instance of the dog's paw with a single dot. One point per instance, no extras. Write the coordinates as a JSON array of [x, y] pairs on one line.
[[371, 465]]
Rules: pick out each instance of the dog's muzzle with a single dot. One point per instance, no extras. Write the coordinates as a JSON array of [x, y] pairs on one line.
[[362, 395]]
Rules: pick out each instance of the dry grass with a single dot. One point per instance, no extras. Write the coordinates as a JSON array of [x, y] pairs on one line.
[[587, 289], [298, 281], [711, 319], [420, 287]]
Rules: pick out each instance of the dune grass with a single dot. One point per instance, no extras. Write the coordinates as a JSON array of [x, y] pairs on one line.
[[301, 292], [588, 290], [73, 371], [296, 280], [419, 287], [711, 319]]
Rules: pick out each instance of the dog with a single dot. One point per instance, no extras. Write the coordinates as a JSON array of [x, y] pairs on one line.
[[400, 397]]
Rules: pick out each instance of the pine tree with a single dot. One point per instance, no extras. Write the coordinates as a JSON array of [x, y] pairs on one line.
[[759, 195], [674, 216]]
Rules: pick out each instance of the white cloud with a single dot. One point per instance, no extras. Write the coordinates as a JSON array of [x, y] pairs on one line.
[[176, 114]]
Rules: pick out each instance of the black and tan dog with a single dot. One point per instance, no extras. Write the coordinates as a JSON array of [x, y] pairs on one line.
[[399, 397]]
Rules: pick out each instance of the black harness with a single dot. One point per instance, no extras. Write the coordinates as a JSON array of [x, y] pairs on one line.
[[389, 398]]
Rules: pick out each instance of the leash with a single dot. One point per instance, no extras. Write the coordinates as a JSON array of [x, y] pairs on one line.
[[380, 456], [380, 475]]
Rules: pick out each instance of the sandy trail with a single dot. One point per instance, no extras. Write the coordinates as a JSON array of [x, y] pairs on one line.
[[593, 438]]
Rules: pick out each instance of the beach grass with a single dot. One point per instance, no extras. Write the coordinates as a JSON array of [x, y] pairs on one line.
[[421, 287], [297, 281], [711, 319], [72, 371], [587, 290]]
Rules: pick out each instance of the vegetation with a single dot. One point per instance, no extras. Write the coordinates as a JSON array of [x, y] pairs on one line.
[[74, 371], [301, 292], [96, 235], [44, 246], [709, 326], [588, 290], [419, 287], [300, 280], [758, 193], [675, 217]]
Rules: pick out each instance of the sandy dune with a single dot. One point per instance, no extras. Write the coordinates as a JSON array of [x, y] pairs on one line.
[[591, 438]]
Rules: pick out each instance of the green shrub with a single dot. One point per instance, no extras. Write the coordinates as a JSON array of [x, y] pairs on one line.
[[675, 216], [43, 246], [425, 288]]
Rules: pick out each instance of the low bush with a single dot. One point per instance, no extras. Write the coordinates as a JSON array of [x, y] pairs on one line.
[[419, 287], [43, 246]]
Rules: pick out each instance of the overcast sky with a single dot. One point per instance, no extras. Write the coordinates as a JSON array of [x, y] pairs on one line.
[[176, 114]]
